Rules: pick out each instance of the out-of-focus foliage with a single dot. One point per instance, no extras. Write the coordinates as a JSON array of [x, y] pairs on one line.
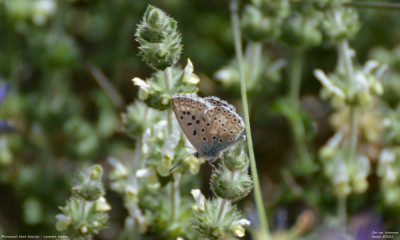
[[65, 77]]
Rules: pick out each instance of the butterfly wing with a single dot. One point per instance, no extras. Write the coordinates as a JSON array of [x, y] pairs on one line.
[[190, 113], [216, 102], [223, 129]]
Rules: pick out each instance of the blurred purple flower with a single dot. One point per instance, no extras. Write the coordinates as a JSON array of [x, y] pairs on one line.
[[3, 93], [362, 225], [4, 126]]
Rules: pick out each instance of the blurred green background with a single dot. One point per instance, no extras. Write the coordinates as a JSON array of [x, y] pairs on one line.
[[68, 66]]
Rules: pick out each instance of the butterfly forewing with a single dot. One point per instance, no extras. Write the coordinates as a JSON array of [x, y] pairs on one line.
[[189, 112]]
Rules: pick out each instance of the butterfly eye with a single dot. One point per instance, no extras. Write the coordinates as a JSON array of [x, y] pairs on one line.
[[214, 137], [220, 140], [230, 139]]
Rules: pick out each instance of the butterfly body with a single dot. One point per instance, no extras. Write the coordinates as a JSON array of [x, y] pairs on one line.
[[210, 124]]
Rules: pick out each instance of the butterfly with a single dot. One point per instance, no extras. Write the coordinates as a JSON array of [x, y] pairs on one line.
[[210, 124]]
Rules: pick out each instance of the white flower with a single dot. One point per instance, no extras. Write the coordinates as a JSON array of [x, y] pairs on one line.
[[225, 75], [386, 122], [152, 179], [159, 129], [340, 175], [84, 229], [327, 83], [142, 84], [102, 205], [237, 227], [131, 191], [170, 143], [144, 172], [42, 9], [362, 82], [390, 175], [199, 198], [387, 156], [370, 66], [62, 222], [363, 166], [145, 140], [119, 170], [188, 76]]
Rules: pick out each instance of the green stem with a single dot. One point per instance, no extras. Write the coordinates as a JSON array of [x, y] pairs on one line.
[[342, 213], [174, 191], [295, 77], [344, 54], [239, 54], [221, 208], [358, 4], [294, 97]]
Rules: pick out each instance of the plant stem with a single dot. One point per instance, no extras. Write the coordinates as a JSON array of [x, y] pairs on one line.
[[359, 4], [294, 93], [173, 191], [295, 77], [344, 54], [239, 54], [221, 208], [342, 214]]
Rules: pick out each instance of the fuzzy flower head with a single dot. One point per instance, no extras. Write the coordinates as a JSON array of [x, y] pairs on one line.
[[157, 90], [366, 85], [159, 39], [265, 72], [212, 223], [138, 118]]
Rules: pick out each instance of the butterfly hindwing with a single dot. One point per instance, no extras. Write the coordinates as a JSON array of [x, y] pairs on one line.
[[216, 102]]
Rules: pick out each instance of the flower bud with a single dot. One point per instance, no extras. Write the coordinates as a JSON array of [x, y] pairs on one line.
[[230, 185], [235, 159], [159, 39]]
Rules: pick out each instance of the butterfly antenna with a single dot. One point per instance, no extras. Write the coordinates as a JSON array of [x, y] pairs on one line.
[[180, 161]]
